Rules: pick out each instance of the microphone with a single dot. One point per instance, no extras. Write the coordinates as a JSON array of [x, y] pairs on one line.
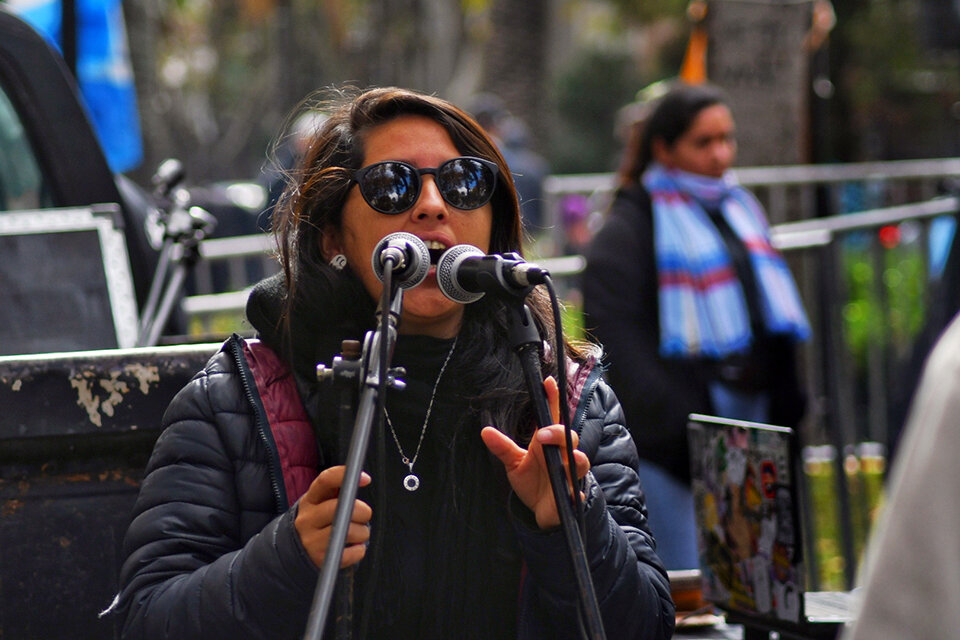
[[408, 256], [465, 274]]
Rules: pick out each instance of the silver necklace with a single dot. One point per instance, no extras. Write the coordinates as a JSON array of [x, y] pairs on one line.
[[411, 482]]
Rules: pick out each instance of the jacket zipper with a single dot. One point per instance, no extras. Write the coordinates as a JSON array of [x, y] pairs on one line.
[[260, 421]]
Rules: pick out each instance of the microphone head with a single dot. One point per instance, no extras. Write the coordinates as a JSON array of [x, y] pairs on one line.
[[412, 258], [447, 268]]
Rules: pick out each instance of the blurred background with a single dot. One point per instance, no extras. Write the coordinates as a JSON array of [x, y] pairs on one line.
[[215, 79], [844, 110]]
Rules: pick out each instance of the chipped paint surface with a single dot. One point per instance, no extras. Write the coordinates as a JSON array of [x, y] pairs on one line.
[[144, 375], [100, 395]]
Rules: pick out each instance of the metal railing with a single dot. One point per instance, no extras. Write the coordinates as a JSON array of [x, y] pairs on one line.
[[872, 284], [798, 192]]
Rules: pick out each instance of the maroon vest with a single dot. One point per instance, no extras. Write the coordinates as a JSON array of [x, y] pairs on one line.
[[288, 421]]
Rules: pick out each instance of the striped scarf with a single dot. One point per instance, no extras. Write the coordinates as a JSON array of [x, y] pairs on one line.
[[703, 310]]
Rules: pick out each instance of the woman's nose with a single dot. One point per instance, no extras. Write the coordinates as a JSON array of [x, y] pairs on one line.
[[430, 204]]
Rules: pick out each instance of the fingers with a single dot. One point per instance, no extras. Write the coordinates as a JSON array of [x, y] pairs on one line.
[[327, 484], [553, 398], [322, 514], [316, 512], [503, 447], [315, 528], [355, 547], [554, 435]]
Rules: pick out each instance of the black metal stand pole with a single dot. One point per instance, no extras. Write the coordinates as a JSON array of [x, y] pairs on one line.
[[345, 377], [184, 227], [366, 409], [526, 341]]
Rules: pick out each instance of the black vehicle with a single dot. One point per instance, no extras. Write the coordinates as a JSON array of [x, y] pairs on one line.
[[49, 153], [50, 157], [75, 428]]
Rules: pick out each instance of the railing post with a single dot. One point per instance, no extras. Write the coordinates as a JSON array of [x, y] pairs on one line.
[[840, 413]]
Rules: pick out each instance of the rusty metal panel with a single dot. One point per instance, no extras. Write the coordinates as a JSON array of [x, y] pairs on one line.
[[110, 391], [76, 431]]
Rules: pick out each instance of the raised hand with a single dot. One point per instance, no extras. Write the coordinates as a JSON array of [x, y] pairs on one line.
[[527, 468]]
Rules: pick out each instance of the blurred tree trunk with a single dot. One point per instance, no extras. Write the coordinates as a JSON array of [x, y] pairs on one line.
[[514, 61], [142, 18], [412, 43], [216, 80]]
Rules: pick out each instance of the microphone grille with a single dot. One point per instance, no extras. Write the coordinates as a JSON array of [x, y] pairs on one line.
[[418, 258], [447, 273]]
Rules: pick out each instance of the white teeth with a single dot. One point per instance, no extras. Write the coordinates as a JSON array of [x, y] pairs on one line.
[[435, 244]]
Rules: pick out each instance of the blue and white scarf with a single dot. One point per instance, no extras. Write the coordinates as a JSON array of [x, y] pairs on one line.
[[703, 309]]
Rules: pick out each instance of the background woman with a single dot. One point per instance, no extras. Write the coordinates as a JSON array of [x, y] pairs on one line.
[[697, 311], [233, 518]]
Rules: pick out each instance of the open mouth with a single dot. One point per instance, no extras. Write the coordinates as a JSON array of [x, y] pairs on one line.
[[436, 250]]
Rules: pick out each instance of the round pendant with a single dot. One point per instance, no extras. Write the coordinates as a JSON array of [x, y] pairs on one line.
[[411, 482]]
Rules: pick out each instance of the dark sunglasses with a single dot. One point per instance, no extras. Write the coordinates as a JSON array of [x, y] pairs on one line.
[[392, 187]]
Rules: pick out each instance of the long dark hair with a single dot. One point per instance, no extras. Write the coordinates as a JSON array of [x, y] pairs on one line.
[[671, 117], [312, 205]]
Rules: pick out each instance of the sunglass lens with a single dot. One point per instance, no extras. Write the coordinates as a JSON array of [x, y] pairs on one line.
[[390, 187], [466, 183]]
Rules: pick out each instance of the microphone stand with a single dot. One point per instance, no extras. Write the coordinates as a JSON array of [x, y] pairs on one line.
[[368, 371], [526, 342], [345, 370], [185, 230]]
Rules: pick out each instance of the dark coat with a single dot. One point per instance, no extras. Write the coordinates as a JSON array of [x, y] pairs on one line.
[[621, 308], [212, 551]]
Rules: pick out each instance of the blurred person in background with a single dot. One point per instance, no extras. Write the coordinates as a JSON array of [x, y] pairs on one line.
[[454, 533], [529, 168], [910, 576], [694, 307]]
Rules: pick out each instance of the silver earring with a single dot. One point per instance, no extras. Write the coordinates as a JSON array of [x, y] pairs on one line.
[[338, 261]]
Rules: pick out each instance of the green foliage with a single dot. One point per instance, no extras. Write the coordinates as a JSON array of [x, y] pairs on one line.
[[864, 479], [821, 482], [899, 290], [571, 315]]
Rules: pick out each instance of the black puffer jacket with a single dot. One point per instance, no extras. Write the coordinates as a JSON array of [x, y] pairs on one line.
[[212, 551]]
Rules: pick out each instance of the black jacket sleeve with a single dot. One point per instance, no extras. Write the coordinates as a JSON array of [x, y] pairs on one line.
[[206, 555], [622, 313]]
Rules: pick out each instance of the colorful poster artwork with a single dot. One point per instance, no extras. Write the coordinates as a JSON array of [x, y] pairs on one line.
[[747, 521]]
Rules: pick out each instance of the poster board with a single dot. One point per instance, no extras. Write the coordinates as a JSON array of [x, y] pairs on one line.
[[757, 56], [65, 281]]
